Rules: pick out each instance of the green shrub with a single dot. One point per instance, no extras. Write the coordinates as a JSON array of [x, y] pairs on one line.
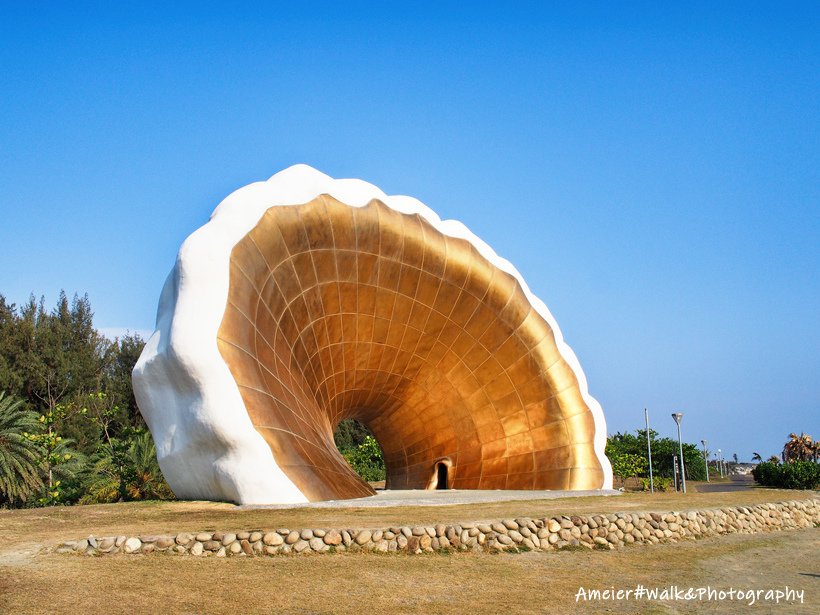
[[795, 475], [661, 483], [664, 484], [366, 460], [627, 465], [765, 473]]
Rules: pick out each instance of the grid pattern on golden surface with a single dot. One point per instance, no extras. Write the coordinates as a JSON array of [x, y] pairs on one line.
[[342, 312]]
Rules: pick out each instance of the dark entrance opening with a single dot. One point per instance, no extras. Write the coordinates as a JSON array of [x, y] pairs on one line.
[[441, 476]]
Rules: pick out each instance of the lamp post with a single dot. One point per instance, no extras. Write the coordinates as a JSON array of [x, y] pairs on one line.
[[678, 416], [649, 451], [705, 459], [720, 463]]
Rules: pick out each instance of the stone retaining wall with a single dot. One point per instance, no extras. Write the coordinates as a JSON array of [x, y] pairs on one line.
[[602, 531]]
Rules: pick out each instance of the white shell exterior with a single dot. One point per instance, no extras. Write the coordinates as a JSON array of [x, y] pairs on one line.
[[206, 445]]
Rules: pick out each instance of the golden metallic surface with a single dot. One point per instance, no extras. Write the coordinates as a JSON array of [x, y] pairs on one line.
[[341, 312]]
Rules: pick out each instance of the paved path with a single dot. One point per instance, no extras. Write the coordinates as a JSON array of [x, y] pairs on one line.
[[448, 497], [739, 483]]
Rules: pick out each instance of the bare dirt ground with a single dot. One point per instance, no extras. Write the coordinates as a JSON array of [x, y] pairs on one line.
[[391, 583]]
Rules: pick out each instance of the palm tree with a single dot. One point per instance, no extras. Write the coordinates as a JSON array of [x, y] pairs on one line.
[[132, 473], [798, 448], [20, 458], [102, 484], [757, 457], [147, 481]]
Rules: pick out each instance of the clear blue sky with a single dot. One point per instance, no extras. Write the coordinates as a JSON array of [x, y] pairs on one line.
[[650, 168]]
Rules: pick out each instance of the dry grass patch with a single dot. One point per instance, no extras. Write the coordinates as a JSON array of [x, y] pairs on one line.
[[435, 584], [395, 583]]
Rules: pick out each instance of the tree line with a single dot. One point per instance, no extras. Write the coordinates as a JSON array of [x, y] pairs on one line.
[[628, 455], [70, 430], [800, 468]]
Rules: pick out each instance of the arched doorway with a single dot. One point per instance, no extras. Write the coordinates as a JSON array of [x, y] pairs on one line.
[[441, 476]]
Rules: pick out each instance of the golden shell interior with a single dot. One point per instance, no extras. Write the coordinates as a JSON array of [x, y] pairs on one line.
[[363, 312]]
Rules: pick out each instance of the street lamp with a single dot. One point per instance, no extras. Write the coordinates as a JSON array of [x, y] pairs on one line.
[[705, 459], [678, 416], [720, 463]]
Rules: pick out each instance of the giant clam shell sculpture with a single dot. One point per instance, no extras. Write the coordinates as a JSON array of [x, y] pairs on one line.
[[306, 300]]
